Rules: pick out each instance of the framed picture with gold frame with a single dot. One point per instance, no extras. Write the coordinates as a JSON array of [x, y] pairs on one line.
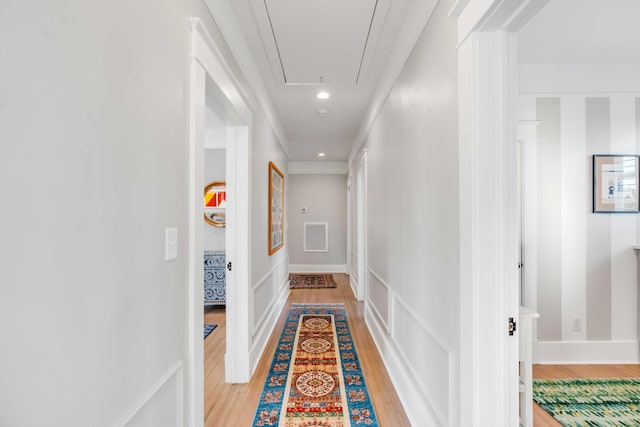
[[215, 203], [276, 209]]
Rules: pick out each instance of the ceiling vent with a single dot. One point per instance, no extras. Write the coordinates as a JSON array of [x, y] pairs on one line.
[[316, 237]]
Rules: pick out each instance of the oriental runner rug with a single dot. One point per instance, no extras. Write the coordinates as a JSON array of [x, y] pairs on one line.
[[311, 281], [590, 402], [315, 379]]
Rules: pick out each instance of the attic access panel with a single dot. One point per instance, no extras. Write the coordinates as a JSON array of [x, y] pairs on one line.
[[325, 38]]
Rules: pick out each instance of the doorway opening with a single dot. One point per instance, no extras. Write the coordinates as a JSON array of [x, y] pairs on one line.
[[219, 119]]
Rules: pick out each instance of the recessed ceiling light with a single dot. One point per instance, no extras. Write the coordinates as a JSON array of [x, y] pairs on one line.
[[323, 95], [322, 111], [321, 154]]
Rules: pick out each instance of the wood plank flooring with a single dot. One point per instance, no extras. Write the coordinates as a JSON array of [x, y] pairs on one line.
[[543, 419], [235, 404]]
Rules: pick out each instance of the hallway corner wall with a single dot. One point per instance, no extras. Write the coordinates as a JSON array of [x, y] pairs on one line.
[[413, 301], [325, 198]]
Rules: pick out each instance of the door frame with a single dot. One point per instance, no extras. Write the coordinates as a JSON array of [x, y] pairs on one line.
[[489, 222], [349, 237], [361, 226], [208, 62]]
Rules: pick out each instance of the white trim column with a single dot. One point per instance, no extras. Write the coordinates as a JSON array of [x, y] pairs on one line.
[[208, 62], [489, 230]]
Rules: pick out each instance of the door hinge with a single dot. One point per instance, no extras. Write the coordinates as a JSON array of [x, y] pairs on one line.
[[512, 326], [229, 266]]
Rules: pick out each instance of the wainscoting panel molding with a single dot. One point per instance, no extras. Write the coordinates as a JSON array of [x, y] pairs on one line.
[[269, 297], [419, 361], [431, 364], [379, 298], [152, 405], [417, 407], [353, 274]]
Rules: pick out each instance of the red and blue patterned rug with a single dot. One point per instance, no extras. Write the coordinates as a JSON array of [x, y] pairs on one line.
[[311, 281], [315, 378]]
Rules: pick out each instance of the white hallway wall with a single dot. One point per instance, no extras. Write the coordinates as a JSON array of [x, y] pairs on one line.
[[413, 228], [579, 265], [269, 274], [94, 100], [325, 196]]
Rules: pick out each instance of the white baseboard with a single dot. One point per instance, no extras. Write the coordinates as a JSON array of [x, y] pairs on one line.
[[586, 352], [411, 397], [318, 268], [354, 285]]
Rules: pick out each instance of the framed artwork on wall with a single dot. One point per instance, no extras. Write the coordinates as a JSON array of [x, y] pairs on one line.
[[615, 183], [276, 209]]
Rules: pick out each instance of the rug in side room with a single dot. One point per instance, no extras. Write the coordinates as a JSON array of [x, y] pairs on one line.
[[590, 402]]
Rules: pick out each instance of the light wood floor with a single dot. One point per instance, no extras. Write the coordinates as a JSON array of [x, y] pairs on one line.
[[540, 417], [235, 404]]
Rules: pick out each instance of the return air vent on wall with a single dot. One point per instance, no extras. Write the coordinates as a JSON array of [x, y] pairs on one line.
[[316, 237]]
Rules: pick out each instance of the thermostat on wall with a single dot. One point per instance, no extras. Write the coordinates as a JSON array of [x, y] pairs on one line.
[[304, 210]]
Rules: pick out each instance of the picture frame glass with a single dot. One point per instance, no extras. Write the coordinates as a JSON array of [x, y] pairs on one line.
[[615, 183]]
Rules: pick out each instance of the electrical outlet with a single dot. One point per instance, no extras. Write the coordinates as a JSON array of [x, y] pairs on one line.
[[576, 324]]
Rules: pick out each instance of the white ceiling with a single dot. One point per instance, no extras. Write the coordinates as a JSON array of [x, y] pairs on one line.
[[301, 47], [582, 32], [314, 42], [352, 44]]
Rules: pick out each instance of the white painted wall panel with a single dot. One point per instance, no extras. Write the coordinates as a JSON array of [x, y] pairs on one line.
[[624, 284], [324, 196], [413, 216], [578, 78], [574, 185], [167, 396], [96, 116], [427, 357], [527, 112]]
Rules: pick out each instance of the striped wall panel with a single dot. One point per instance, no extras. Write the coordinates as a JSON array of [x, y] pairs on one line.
[[583, 263]]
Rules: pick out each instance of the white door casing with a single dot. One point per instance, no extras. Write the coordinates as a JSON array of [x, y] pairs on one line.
[[489, 219], [361, 212], [208, 62]]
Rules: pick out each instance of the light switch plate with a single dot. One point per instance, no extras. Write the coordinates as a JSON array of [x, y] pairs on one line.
[[171, 244]]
